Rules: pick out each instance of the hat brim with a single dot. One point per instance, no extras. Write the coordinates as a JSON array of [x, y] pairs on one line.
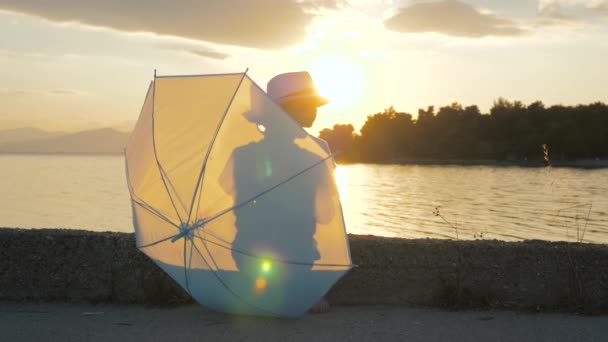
[[316, 99]]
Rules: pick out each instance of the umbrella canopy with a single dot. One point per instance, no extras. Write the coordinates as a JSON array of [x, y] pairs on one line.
[[233, 199]]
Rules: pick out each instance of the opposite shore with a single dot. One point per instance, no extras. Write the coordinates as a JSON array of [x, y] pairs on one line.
[[574, 163]]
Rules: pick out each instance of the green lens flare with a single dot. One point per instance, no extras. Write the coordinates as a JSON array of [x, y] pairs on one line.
[[266, 266], [268, 168]]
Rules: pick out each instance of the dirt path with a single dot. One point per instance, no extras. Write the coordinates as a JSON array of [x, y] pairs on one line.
[[71, 322]]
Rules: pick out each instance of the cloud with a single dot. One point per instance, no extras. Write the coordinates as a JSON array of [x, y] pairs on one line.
[[259, 24], [43, 92], [452, 18], [196, 50], [209, 54], [68, 92], [602, 8], [553, 16], [23, 54], [552, 8], [598, 5], [330, 4], [591, 4]]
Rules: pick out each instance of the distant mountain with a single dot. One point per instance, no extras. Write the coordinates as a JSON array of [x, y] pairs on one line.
[[105, 140], [17, 135]]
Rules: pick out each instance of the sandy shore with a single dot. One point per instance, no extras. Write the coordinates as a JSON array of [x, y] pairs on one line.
[[133, 323]]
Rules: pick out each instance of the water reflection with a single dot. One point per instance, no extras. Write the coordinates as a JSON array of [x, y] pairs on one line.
[[508, 203], [480, 201]]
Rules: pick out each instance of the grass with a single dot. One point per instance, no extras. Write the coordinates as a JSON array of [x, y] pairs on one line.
[[454, 226], [578, 296], [454, 296], [575, 220], [546, 155], [579, 219]]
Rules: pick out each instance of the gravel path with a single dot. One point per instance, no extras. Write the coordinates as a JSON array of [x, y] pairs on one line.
[[133, 323]]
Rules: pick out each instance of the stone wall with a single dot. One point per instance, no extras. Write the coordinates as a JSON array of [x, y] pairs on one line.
[[81, 266]]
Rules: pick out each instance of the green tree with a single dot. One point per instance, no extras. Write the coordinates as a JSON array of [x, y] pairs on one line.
[[511, 131], [386, 136], [341, 140]]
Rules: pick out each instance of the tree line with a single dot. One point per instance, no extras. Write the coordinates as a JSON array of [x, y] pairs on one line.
[[511, 131]]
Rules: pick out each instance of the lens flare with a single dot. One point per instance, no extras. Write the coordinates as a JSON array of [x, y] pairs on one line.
[[260, 284], [268, 168], [266, 266]]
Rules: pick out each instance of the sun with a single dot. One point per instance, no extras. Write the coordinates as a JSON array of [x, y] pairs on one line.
[[338, 79]]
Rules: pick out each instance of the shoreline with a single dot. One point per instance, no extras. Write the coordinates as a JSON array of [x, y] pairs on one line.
[[574, 163], [577, 163], [81, 154], [78, 266]]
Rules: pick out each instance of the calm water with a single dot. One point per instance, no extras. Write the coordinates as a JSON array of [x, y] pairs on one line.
[[508, 203]]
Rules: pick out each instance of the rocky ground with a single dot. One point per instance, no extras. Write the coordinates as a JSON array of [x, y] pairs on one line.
[[85, 267]]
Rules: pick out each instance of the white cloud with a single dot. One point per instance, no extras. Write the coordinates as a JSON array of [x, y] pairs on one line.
[[550, 7], [43, 92], [197, 50], [452, 18], [260, 24]]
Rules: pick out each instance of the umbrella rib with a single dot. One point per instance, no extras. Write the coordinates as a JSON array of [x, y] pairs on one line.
[[213, 235], [185, 266], [344, 229], [173, 188], [143, 105], [228, 287], [207, 248], [223, 212], [161, 171], [208, 152], [283, 261], [190, 261], [141, 202], [181, 163], [154, 212], [157, 242], [209, 252], [160, 168], [199, 75]]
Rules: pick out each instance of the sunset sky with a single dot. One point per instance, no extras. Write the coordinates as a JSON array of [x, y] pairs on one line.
[[76, 64]]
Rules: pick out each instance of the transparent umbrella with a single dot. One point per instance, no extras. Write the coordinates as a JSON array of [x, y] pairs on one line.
[[233, 199]]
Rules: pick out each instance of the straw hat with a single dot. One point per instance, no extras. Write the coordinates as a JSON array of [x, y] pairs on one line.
[[294, 86]]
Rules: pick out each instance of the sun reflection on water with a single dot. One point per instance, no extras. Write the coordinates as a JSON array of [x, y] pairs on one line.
[[341, 177]]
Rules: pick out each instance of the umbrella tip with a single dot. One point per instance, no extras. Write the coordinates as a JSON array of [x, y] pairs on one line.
[[154, 73]]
